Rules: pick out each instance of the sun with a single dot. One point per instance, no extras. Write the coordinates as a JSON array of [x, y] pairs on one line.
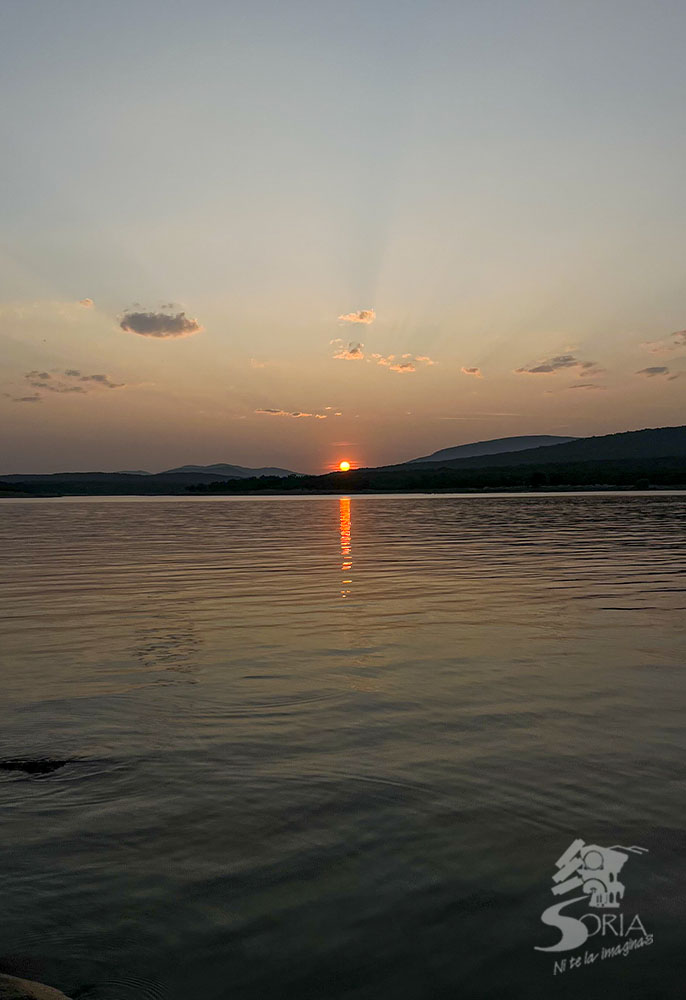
[[344, 466]]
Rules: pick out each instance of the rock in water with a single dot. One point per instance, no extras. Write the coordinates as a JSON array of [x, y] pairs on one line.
[[12, 988]]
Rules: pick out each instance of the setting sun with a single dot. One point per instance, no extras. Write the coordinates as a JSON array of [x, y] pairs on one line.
[[344, 466]]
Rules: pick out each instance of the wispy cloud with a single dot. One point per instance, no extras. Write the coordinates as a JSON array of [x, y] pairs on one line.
[[668, 345], [476, 372], [361, 316], [559, 363], [586, 385], [296, 414], [86, 303], [68, 382], [353, 352], [160, 324]]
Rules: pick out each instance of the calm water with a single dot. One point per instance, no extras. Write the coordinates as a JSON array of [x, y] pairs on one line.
[[325, 748]]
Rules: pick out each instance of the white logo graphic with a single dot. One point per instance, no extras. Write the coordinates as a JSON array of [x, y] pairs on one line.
[[594, 870]]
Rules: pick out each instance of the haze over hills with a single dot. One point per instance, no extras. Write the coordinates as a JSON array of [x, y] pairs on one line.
[[496, 446]]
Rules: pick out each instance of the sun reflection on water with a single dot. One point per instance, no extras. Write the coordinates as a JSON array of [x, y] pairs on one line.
[[346, 545]]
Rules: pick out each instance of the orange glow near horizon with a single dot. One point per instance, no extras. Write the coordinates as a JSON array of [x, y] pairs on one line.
[[344, 466]]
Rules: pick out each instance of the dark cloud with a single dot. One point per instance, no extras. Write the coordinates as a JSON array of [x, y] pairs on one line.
[[45, 381], [558, 363], [586, 385], [160, 324], [23, 399], [69, 381], [104, 380], [657, 371]]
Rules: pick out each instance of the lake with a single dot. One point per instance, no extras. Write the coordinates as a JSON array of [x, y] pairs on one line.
[[323, 747]]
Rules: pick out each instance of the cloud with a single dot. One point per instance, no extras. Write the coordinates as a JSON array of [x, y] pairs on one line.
[[586, 385], [353, 352], [296, 414], [361, 316], [69, 381], [45, 381], [653, 371], [558, 363], [405, 365], [476, 372], [23, 399], [86, 303], [103, 380], [160, 324], [672, 343]]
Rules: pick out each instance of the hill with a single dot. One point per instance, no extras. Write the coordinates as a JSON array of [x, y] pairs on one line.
[[655, 442], [497, 446], [630, 460], [131, 483], [141, 481], [223, 471]]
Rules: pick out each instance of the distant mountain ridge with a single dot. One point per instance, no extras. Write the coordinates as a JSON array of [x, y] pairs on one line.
[[184, 474], [654, 456], [172, 481], [653, 442], [224, 471], [632, 460], [496, 446]]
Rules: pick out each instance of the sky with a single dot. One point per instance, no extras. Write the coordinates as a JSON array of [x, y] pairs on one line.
[[290, 233]]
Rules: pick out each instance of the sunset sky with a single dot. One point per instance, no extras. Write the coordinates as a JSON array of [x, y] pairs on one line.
[[288, 233]]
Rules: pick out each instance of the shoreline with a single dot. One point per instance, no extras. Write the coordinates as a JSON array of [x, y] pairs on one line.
[[229, 494]]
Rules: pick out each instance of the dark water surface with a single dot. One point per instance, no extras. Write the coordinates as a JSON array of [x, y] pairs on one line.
[[325, 748]]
